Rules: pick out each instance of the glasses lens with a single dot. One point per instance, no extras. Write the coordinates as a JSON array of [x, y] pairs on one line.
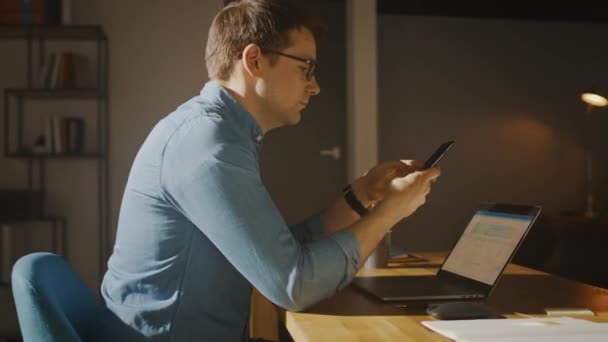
[[311, 71]]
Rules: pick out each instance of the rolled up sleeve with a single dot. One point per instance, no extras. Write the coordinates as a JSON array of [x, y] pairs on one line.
[[224, 197], [310, 229]]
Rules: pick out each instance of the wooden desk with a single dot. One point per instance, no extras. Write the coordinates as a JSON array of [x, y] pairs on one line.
[[353, 316]]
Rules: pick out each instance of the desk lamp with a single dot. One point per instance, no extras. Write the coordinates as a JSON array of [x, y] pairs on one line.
[[593, 98]]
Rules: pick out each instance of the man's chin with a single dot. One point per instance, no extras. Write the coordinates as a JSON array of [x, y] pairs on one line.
[[294, 119]]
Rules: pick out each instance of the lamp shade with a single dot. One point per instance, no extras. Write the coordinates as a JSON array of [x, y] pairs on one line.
[[594, 98]]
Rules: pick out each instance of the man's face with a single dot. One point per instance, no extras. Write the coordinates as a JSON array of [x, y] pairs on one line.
[[286, 89]]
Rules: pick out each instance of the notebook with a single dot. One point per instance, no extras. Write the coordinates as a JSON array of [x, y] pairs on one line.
[[475, 263]]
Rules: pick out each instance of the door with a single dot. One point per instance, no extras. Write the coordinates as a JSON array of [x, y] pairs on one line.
[[303, 166]]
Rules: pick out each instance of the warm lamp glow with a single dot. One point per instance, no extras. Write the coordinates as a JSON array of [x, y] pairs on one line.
[[594, 99]]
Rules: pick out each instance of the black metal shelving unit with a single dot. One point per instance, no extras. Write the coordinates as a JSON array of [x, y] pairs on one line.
[[57, 224], [36, 38]]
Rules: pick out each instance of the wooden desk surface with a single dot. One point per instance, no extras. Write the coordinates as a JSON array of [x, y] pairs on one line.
[[352, 315]]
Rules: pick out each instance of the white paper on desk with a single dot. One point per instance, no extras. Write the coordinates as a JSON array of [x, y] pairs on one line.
[[507, 330], [582, 337]]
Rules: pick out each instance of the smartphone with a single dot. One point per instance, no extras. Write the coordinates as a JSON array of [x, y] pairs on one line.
[[438, 154]]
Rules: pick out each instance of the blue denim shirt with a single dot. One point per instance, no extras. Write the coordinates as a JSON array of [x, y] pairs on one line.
[[197, 229]]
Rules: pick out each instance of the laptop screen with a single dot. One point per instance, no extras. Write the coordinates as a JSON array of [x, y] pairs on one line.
[[487, 245]]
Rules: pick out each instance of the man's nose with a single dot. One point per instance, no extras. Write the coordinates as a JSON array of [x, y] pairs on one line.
[[314, 88]]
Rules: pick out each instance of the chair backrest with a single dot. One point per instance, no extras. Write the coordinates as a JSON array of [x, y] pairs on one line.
[[53, 304]]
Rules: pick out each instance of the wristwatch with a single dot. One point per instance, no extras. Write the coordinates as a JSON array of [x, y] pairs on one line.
[[353, 201]]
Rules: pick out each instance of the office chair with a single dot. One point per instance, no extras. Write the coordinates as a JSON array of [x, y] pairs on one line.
[[52, 303]]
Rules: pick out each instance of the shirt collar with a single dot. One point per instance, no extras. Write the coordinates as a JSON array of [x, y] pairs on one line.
[[218, 94]]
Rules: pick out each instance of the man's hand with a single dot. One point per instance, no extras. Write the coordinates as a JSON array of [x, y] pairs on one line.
[[374, 185], [402, 196], [406, 194]]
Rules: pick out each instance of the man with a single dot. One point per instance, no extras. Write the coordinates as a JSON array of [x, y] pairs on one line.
[[197, 228]]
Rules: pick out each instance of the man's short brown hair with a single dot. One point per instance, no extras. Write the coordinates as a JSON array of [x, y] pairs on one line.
[[266, 23]]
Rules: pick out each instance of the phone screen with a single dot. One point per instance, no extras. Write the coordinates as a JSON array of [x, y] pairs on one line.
[[438, 154]]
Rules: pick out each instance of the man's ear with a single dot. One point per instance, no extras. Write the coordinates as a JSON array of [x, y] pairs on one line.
[[252, 55]]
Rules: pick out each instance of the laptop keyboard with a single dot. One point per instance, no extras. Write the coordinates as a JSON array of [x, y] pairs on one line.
[[412, 286]]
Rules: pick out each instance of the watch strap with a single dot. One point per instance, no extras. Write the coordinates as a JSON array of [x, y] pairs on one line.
[[353, 201]]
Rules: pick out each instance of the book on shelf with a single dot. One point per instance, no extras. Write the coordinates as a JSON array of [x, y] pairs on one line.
[[44, 73], [58, 71], [64, 135], [36, 12]]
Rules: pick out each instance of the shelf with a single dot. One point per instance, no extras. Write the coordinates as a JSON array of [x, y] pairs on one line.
[[59, 32], [29, 155], [37, 93], [35, 40], [32, 219]]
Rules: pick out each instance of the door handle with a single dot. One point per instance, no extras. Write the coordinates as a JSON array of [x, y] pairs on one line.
[[334, 152]]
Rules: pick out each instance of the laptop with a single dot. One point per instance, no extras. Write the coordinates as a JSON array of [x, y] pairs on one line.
[[475, 263]]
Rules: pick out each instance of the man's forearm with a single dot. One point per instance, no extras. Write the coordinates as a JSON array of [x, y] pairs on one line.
[[368, 230], [406, 195], [372, 228], [340, 215]]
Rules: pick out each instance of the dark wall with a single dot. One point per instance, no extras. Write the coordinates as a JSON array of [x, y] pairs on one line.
[[579, 11], [508, 92]]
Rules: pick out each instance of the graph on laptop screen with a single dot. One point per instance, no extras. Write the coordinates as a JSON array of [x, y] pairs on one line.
[[486, 245]]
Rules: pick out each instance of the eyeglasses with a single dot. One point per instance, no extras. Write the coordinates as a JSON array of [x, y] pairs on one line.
[[312, 64]]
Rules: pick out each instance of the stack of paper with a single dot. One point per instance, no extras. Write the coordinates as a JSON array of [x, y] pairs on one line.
[[521, 330]]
